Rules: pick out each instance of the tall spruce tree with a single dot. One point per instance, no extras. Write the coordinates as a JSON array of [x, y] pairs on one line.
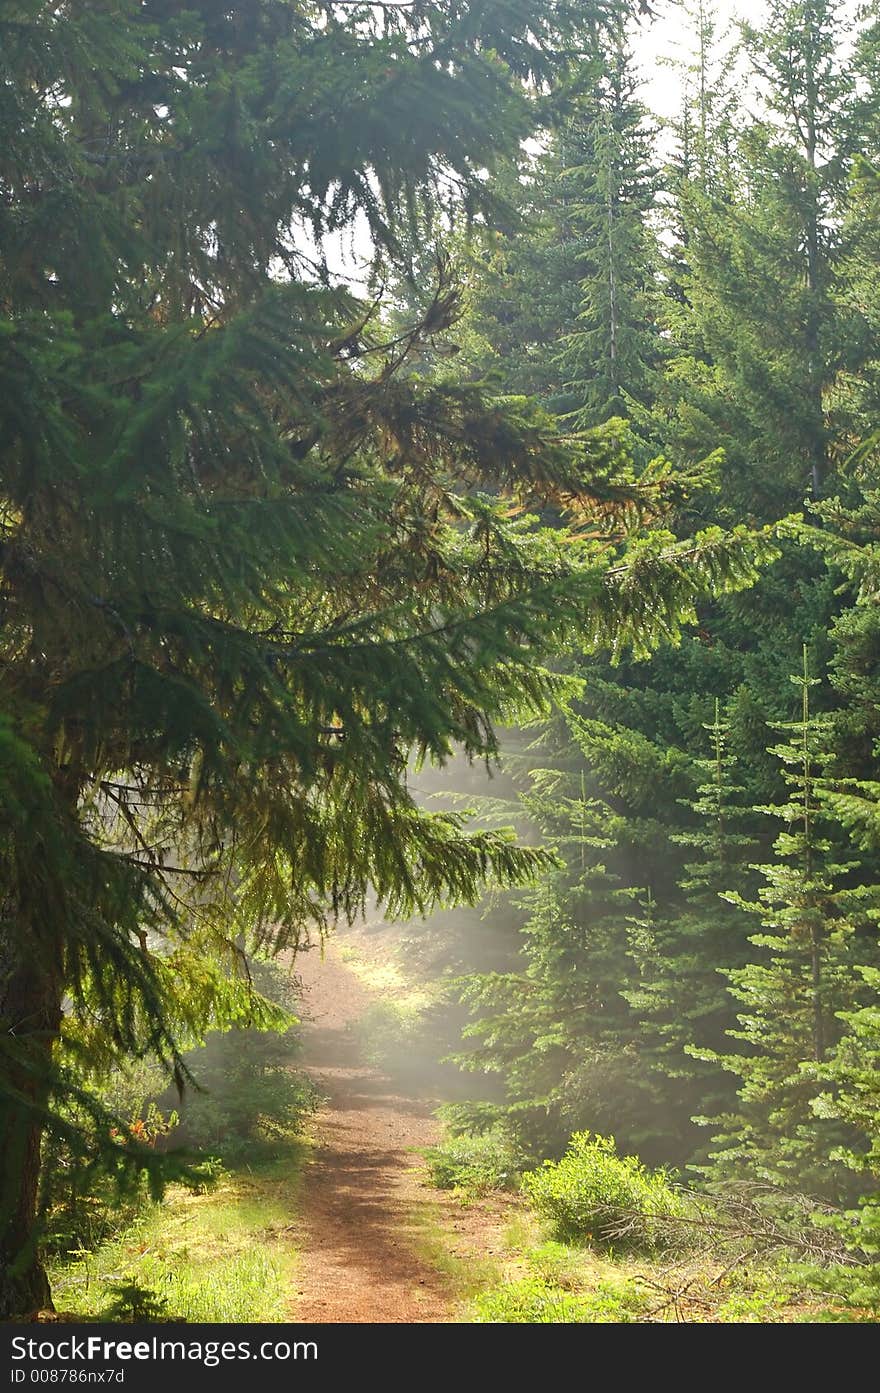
[[610, 353]]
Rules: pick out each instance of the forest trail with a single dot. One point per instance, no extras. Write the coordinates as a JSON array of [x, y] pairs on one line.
[[363, 1204]]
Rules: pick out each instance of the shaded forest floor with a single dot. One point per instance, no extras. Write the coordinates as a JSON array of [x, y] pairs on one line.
[[225, 1255]]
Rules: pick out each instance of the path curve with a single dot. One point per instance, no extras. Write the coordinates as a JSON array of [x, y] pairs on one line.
[[363, 1202]]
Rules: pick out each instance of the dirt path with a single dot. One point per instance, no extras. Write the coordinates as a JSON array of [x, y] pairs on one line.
[[361, 1198]]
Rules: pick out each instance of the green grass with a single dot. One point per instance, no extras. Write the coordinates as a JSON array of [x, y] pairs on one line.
[[466, 1274], [533, 1301], [227, 1255]]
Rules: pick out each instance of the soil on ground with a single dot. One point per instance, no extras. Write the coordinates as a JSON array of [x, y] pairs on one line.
[[364, 1199]]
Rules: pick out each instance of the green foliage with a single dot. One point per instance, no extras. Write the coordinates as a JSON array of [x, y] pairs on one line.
[[594, 1195], [249, 1096], [752, 1308], [791, 999], [83, 1203], [247, 1101], [535, 1301], [474, 1165], [611, 351], [394, 1035]]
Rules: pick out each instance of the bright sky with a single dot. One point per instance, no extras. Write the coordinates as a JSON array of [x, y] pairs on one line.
[[667, 36]]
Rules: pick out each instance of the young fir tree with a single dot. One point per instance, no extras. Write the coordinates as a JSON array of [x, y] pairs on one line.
[[610, 352], [552, 1028], [562, 1029], [680, 996], [247, 572], [791, 998], [846, 533], [708, 122], [511, 332]]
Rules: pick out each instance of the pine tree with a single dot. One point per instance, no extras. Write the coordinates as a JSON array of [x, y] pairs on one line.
[[763, 254], [680, 996], [611, 350], [791, 999]]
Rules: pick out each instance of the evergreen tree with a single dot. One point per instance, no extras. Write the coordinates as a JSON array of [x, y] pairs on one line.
[[610, 352], [570, 1029], [704, 139], [791, 999], [680, 995], [850, 1099]]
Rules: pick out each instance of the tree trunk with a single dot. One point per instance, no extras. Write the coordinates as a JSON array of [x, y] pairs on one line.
[[30, 1017]]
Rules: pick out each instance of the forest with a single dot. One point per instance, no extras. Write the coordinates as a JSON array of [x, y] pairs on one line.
[[440, 661]]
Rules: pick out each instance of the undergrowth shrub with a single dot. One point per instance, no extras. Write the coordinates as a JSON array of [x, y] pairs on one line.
[[594, 1195], [474, 1164], [82, 1200], [249, 1097], [392, 1034]]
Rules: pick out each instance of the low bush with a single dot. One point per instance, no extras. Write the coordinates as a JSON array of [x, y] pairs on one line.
[[392, 1034], [474, 1164], [249, 1096], [594, 1195]]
